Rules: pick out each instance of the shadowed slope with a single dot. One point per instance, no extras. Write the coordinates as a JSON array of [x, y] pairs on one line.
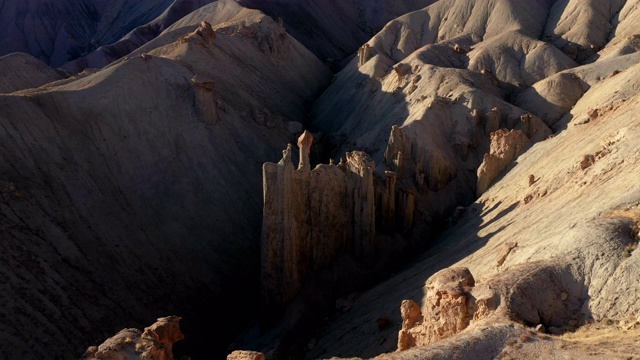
[[128, 193]]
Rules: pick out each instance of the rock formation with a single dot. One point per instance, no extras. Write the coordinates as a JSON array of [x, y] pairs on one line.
[[311, 217], [245, 355], [506, 146], [132, 189], [154, 343], [364, 54], [446, 311], [564, 260], [544, 294], [203, 35]]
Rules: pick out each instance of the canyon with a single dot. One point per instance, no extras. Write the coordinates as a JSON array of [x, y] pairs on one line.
[[321, 180]]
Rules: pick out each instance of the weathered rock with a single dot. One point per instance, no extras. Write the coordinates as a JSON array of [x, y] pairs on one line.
[[494, 120], [534, 128], [364, 54], [158, 339], [447, 311], [506, 146], [245, 355], [388, 208], [155, 162], [304, 144], [527, 294], [406, 156], [587, 161], [311, 217], [155, 343], [411, 314], [505, 250], [203, 35], [402, 69], [411, 318]]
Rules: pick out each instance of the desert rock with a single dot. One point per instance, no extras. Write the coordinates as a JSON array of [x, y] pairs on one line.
[[311, 217], [506, 146], [155, 343]]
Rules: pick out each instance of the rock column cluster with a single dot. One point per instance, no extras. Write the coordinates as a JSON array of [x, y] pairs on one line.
[[311, 217]]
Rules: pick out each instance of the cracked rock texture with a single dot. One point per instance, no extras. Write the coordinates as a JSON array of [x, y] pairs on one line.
[[312, 217], [154, 343]]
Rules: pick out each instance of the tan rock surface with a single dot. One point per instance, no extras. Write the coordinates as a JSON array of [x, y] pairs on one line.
[[505, 148], [135, 189], [563, 221], [441, 77], [155, 343], [245, 355]]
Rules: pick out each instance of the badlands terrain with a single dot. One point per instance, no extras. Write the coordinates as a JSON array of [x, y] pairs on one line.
[[281, 179]]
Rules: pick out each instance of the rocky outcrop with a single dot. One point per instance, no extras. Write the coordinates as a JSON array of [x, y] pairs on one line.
[[534, 128], [204, 35], [447, 309], [311, 217], [155, 343], [546, 294], [506, 146], [364, 54], [245, 355], [412, 169]]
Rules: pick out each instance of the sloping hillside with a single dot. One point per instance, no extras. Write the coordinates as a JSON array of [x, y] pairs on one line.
[[135, 191], [21, 71], [110, 52], [489, 149], [568, 206], [578, 218], [58, 31], [331, 30]]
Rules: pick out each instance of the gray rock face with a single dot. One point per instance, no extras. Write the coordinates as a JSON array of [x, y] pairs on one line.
[[128, 192], [506, 146], [154, 343], [59, 31], [538, 293], [334, 31], [140, 35]]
